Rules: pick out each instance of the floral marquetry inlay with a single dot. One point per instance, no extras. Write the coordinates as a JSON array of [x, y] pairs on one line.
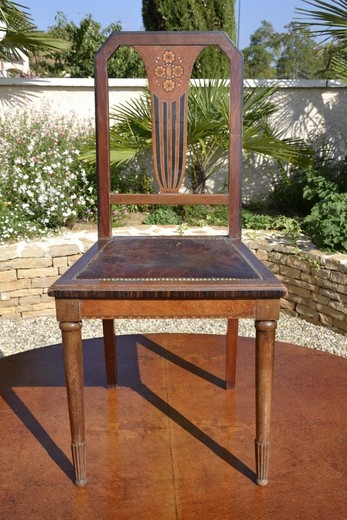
[[169, 70]]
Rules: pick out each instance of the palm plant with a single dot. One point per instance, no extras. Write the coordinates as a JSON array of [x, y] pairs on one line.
[[208, 118], [328, 20], [21, 33]]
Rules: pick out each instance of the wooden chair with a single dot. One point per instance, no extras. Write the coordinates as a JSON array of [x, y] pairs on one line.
[[181, 276]]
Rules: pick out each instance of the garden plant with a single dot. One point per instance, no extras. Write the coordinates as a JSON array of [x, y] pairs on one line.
[[43, 183]]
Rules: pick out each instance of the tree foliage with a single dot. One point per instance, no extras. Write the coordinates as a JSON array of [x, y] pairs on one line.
[[288, 55], [299, 58], [85, 39], [191, 15], [262, 52]]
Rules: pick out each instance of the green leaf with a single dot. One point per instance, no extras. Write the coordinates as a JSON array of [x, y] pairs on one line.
[[326, 19], [22, 33]]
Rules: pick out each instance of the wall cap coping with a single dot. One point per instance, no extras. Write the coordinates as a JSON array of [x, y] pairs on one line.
[[88, 83]]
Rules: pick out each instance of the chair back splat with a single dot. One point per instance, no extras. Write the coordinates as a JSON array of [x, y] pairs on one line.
[[168, 61], [168, 276]]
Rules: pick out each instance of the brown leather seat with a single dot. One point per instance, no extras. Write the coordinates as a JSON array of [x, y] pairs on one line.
[[160, 276]]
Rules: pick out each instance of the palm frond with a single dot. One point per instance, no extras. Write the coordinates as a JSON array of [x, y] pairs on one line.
[[22, 34], [258, 103], [339, 65], [208, 111], [122, 155], [263, 140], [14, 14], [34, 41], [326, 19], [120, 152]]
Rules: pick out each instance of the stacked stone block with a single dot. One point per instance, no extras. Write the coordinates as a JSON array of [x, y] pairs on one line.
[[28, 269], [316, 282]]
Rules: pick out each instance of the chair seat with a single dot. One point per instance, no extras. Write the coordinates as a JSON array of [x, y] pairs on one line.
[[193, 267]]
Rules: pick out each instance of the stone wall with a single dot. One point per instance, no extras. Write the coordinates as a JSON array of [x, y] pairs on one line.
[[27, 269], [316, 282]]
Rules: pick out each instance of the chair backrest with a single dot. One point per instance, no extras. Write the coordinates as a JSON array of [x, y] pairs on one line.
[[168, 58]]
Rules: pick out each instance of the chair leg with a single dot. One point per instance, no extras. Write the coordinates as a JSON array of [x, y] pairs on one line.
[[265, 342], [231, 353], [110, 353], [73, 363]]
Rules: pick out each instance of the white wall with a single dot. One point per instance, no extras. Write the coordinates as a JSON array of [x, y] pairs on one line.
[[64, 95], [312, 110], [306, 109]]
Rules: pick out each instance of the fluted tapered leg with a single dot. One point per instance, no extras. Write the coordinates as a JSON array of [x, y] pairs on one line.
[[231, 353], [73, 363], [265, 342], [110, 353]]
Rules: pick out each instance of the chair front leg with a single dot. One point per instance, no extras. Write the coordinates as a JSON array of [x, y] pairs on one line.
[[265, 342], [73, 363]]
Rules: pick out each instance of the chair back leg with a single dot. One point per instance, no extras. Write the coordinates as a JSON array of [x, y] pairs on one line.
[[231, 353], [110, 353]]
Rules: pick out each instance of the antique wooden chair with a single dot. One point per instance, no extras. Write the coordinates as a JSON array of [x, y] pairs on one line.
[[183, 276]]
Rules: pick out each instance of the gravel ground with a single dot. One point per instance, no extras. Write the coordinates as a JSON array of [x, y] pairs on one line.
[[26, 334]]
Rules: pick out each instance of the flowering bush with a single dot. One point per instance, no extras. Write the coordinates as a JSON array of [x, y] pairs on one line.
[[43, 184], [120, 216]]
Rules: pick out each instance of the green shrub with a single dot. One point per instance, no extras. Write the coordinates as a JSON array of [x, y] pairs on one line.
[[288, 195], [200, 215], [197, 215], [302, 189], [319, 195], [327, 223], [255, 220], [163, 215], [321, 184], [290, 226], [43, 184]]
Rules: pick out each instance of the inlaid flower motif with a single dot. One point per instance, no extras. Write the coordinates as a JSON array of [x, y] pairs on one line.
[[177, 71], [169, 85], [169, 57], [168, 71], [160, 71]]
